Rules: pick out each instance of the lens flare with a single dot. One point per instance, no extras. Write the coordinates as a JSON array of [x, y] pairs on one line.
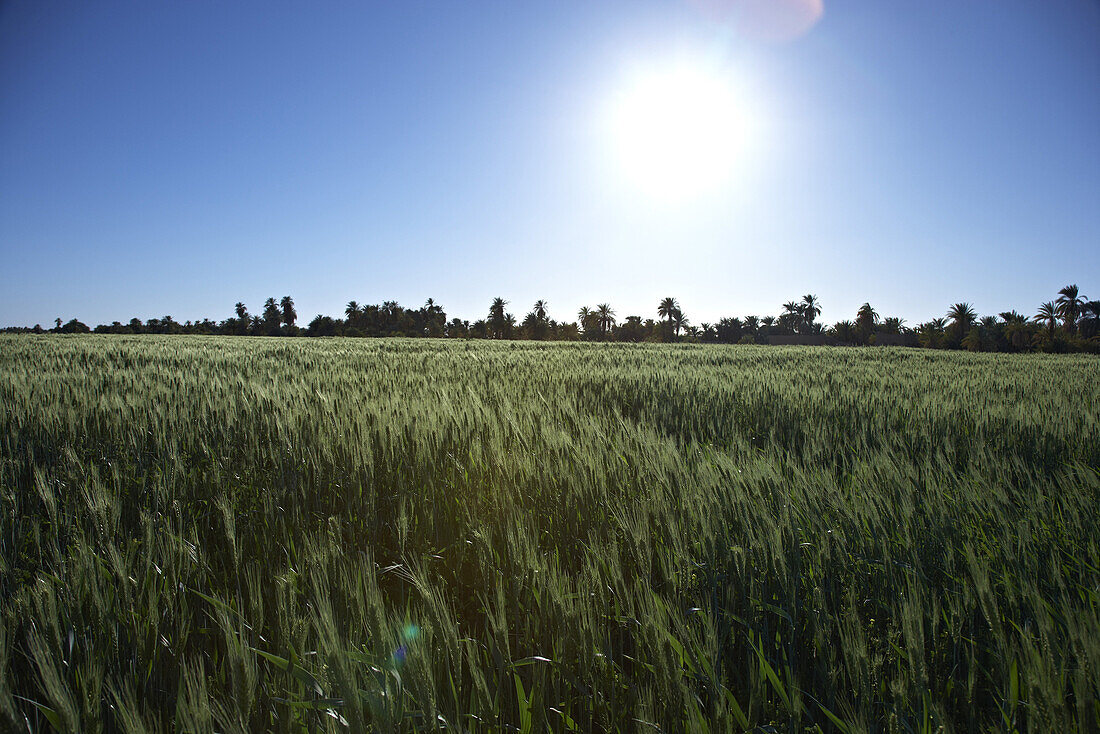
[[766, 20], [408, 636]]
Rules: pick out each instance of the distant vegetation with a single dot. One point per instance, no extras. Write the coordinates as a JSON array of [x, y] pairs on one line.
[[1070, 323], [245, 535]]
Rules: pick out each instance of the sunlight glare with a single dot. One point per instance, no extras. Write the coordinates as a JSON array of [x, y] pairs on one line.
[[678, 132]]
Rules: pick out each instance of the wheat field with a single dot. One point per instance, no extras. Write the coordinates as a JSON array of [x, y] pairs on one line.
[[223, 534]]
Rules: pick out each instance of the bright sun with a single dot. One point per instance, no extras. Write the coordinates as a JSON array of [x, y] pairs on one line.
[[679, 132]]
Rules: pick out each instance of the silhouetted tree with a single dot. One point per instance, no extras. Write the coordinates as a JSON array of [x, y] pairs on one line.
[[1048, 314], [666, 309], [791, 319], [845, 332], [631, 330], [323, 326], [586, 318], [1090, 324], [1070, 304], [729, 330], [605, 319], [289, 315], [811, 309], [271, 317], [866, 318], [962, 318], [1069, 323], [536, 325], [891, 325], [73, 326], [679, 321], [1016, 331], [498, 319], [434, 318]]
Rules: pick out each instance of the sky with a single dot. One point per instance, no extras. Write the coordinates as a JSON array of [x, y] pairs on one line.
[[173, 158]]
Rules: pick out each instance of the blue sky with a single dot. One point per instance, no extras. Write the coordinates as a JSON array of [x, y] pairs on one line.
[[174, 158]]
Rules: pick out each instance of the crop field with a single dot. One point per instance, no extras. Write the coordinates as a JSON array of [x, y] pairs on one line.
[[222, 534]]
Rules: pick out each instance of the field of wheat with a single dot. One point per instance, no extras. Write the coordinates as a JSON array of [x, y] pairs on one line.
[[231, 535]]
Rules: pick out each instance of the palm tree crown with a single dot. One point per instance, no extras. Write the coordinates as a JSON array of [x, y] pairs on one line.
[[963, 315], [605, 317], [1048, 312], [679, 321], [866, 316], [811, 307], [1070, 304]]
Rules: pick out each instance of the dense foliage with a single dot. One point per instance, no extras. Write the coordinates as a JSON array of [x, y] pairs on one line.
[[220, 534], [1071, 323]]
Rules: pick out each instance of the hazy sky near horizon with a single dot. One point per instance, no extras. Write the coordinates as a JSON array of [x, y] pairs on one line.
[[175, 158]]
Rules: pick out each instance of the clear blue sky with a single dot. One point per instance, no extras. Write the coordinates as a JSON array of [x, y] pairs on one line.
[[176, 157]]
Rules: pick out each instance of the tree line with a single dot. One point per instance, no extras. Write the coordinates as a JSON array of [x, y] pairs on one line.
[[1070, 322]]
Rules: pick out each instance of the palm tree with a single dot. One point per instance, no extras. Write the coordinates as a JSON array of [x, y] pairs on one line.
[[242, 311], [867, 314], [866, 318], [1016, 330], [844, 332], [536, 324], [584, 318], [930, 333], [679, 321], [1090, 324], [811, 309], [1048, 312], [605, 318], [289, 315], [962, 315], [892, 324], [791, 319], [811, 306], [1070, 304], [272, 317], [729, 329], [352, 310], [973, 340], [497, 320], [430, 306], [666, 308], [434, 318]]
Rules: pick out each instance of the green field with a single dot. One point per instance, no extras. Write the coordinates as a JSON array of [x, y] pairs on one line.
[[233, 534]]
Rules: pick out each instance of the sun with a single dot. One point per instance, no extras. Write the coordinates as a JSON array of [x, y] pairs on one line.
[[679, 132]]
